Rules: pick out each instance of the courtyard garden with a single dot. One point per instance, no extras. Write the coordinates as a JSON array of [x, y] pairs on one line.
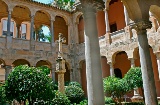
[[32, 86]]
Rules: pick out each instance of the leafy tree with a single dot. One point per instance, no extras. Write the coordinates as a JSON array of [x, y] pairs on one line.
[[64, 4], [134, 77], [44, 69], [115, 87], [28, 83], [48, 37]]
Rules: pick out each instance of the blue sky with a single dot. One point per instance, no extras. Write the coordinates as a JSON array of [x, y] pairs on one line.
[[45, 29], [43, 1]]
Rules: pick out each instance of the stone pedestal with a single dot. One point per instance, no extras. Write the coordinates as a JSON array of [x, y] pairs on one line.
[[136, 97], [61, 81]]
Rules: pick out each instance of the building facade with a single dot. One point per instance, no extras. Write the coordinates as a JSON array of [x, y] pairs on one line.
[[20, 19]]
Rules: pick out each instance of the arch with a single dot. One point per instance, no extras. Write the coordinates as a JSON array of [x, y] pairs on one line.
[[64, 17], [21, 12], [78, 15], [122, 62], [4, 6], [114, 56], [42, 17], [20, 62], [43, 63]]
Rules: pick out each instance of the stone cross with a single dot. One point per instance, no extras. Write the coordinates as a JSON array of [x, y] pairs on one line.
[[60, 65], [60, 41]]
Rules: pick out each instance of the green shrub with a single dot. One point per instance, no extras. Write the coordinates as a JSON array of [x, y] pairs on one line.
[[60, 99], [2, 94], [115, 87], [75, 84], [74, 93], [108, 100], [134, 77], [84, 102]]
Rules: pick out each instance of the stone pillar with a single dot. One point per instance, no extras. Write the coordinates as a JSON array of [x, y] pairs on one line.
[[32, 28], [8, 37], [126, 16], [53, 72], [9, 23], [92, 56], [32, 42], [107, 36], [52, 33], [158, 64], [18, 30], [146, 64], [132, 62], [8, 69], [60, 66], [111, 69]]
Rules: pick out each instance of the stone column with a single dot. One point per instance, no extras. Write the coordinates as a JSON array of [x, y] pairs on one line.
[[108, 37], [126, 16], [158, 64], [52, 33], [111, 69], [92, 56], [53, 72], [32, 28], [9, 23], [8, 69], [32, 42], [8, 37], [146, 64], [132, 62], [18, 30]]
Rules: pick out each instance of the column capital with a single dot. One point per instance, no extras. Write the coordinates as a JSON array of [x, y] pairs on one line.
[[53, 16], [94, 4], [141, 26]]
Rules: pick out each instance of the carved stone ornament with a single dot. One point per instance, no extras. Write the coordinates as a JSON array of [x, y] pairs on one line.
[[141, 26]]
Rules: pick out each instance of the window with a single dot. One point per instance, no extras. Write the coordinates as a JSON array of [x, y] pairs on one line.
[[113, 27], [23, 31], [5, 28]]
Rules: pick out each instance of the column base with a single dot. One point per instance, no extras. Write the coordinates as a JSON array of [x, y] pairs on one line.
[[108, 38], [137, 98]]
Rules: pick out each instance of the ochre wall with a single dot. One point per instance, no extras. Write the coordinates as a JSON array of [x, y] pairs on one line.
[[101, 26], [83, 78], [116, 14], [60, 27], [81, 30], [105, 67]]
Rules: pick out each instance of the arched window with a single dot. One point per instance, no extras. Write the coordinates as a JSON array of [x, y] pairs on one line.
[[118, 73]]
